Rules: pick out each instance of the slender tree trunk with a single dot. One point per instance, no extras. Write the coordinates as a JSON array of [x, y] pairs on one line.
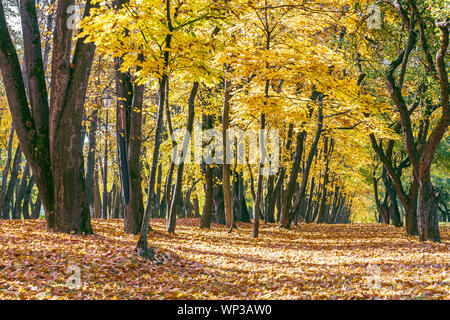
[[176, 205], [305, 175], [27, 199], [205, 220], [326, 154], [155, 213], [219, 206], [7, 165], [227, 194], [284, 218], [309, 209], [196, 207], [90, 165], [259, 185], [7, 202], [21, 192], [275, 195], [36, 208], [97, 197]]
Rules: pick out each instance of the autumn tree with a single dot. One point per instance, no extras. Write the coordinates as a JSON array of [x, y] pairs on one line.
[[49, 126], [414, 75]]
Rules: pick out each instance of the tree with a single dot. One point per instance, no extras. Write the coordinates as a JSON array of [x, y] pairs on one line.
[[49, 128], [430, 79]]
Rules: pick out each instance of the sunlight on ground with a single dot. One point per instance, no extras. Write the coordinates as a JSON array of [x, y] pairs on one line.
[[360, 261]]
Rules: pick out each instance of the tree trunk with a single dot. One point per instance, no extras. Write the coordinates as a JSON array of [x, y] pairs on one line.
[[27, 199], [309, 209], [205, 220], [7, 165], [428, 218], [142, 245], [135, 207], [284, 218], [219, 209], [275, 195], [259, 185], [21, 192], [36, 208], [312, 151], [7, 202], [90, 165], [97, 197], [227, 145], [177, 204]]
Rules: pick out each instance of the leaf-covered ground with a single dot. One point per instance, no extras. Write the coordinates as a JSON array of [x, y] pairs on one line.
[[361, 261]]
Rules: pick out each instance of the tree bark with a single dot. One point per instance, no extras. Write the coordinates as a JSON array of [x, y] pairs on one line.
[[135, 207], [227, 194], [90, 165], [9, 194], [205, 220], [259, 185], [284, 218], [177, 204]]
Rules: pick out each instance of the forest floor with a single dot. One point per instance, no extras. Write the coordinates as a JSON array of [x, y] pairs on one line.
[[359, 261]]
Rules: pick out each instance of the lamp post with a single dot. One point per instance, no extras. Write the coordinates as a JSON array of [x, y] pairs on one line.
[[107, 101]]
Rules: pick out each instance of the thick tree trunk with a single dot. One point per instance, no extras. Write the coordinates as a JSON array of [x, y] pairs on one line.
[[68, 88], [428, 218], [32, 133], [421, 152], [135, 207]]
